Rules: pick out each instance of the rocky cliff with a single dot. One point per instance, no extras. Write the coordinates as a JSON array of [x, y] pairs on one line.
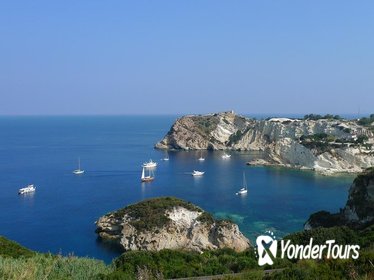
[[324, 145], [169, 223], [359, 209]]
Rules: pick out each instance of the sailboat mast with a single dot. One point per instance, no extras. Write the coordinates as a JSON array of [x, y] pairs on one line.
[[244, 181], [79, 163]]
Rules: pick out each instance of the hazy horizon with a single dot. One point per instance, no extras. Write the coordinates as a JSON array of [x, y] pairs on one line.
[[176, 58], [253, 115]]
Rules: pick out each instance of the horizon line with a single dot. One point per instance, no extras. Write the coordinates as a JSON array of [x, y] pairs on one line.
[[177, 114]]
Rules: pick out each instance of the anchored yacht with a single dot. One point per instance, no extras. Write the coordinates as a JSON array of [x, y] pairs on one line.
[[197, 173], [28, 189]]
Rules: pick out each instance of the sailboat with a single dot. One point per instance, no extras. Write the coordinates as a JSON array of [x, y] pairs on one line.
[[166, 158], [79, 170], [244, 189], [148, 178], [226, 156], [201, 157]]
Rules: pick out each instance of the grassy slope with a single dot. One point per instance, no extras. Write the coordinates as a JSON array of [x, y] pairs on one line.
[[17, 262]]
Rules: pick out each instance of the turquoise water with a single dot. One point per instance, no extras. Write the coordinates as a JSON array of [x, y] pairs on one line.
[[60, 216]]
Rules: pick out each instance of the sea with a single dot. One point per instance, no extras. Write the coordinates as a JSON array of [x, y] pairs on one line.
[[60, 216]]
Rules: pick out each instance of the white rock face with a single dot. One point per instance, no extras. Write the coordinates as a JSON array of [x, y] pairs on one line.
[[278, 138], [183, 231]]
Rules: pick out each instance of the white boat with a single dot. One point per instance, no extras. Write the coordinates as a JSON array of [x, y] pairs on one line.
[[166, 158], [226, 156], [197, 173], [147, 178], [150, 164], [79, 170], [201, 157], [28, 189], [244, 189]]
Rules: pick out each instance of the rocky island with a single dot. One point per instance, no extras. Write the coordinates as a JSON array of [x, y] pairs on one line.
[[169, 223], [327, 144], [358, 211]]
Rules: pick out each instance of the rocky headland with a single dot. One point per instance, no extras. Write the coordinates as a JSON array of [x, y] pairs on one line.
[[327, 144], [169, 223], [358, 211]]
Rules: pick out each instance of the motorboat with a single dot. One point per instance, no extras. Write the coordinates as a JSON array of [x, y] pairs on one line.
[[28, 189], [197, 173], [150, 164], [226, 156]]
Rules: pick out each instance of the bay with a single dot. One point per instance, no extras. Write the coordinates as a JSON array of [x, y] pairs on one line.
[[60, 216]]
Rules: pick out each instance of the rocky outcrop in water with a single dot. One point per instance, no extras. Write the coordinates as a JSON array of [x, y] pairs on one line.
[[358, 211], [325, 145], [169, 223]]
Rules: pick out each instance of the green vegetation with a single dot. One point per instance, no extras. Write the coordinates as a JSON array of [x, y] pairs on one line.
[[362, 268], [168, 264], [149, 214], [235, 137], [359, 198], [321, 142], [14, 250], [319, 117], [17, 262], [206, 124], [318, 137], [174, 264], [366, 121], [206, 218], [342, 235], [325, 219], [362, 139]]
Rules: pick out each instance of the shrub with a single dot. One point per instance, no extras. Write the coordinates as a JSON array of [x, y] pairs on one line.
[[150, 213], [12, 249]]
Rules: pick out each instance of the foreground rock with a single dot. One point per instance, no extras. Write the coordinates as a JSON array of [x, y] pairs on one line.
[[326, 145], [169, 223], [358, 211]]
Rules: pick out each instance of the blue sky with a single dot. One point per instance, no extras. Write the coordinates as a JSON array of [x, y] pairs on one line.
[[167, 57]]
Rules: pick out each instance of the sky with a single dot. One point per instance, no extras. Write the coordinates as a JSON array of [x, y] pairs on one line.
[[179, 57]]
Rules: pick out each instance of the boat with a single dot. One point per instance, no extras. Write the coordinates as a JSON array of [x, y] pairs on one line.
[[201, 157], [147, 178], [28, 189], [197, 173], [79, 170], [166, 158], [244, 189], [150, 164], [226, 156]]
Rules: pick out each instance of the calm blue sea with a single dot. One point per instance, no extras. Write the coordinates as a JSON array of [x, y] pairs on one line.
[[60, 216]]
